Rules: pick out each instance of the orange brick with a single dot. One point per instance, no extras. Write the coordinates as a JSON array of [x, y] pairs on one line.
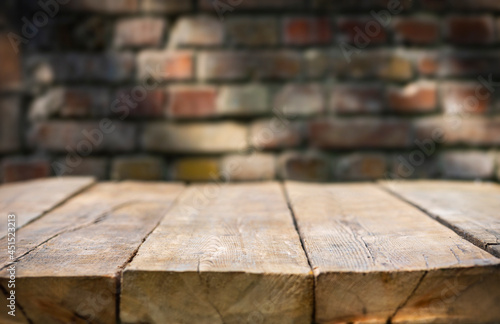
[[416, 97]]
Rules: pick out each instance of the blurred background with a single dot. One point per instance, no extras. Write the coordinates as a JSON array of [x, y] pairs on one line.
[[240, 90]]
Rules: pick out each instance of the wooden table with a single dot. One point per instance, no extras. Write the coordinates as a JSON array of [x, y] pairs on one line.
[[136, 252]]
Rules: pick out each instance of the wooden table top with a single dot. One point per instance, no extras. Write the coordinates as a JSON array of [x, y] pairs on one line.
[[257, 252]]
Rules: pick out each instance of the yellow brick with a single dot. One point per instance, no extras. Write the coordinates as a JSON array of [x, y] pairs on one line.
[[397, 69], [196, 169], [137, 168]]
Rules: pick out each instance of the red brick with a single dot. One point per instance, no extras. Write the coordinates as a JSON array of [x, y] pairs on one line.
[[476, 4], [81, 102], [137, 168], [278, 65], [275, 133], [137, 102], [470, 64], [360, 133], [417, 30], [191, 101], [436, 5], [200, 30], [469, 30], [361, 31], [357, 99], [498, 166], [24, 168], [465, 97], [361, 166], [459, 129], [427, 63], [300, 99], [252, 31], [413, 165], [225, 7], [461, 5], [362, 5], [10, 67], [243, 100], [70, 102], [165, 65], [95, 167], [418, 97], [58, 136], [301, 166], [241, 65], [102, 6], [10, 117], [468, 165], [199, 138], [166, 6], [137, 32], [256, 166], [306, 31]]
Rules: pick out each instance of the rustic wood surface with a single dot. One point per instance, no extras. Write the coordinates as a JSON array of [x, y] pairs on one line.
[[31, 199], [70, 274], [135, 252], [229, 256], [470, 209], [377, 258]]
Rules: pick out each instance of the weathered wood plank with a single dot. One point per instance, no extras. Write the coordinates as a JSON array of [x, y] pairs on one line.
[[72, 275], [31, 199], [82, 210], [377, 258], [470, 209], [228, 254]]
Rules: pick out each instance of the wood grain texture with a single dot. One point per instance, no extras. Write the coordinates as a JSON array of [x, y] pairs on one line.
[[376, 258], [70, 274], [227, 254], [470, 209], [85, 209], [29, 200]]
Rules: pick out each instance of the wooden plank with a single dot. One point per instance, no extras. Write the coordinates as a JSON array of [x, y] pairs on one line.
[[378, 259], [29, 200], [227, 254], [73, 276], [471, 209], [82, 210]]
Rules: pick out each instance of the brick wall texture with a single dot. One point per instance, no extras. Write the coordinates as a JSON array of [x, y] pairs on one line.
[[239, 90]]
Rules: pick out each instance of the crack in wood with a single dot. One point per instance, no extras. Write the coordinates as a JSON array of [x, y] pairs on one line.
[[403, 304]]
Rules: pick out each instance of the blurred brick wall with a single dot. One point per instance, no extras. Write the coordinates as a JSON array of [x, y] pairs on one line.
[[250, 89]]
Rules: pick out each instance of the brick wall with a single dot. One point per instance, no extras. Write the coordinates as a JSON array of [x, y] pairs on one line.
[[250, 89]]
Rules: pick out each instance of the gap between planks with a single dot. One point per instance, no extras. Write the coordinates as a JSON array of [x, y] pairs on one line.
[[285, 193], [292, 214], [30, 200], [120, 272]]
